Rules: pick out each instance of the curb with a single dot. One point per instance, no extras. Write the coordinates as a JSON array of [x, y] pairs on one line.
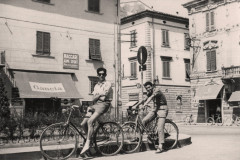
[[33, 153]]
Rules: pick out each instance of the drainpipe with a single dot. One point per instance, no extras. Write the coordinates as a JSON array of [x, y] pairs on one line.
[[153, 51]]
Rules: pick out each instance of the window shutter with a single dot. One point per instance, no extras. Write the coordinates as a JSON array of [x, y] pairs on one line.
[[97, 49], [46, 42], [167, 38], [135, 69], [163, 38], [39, 42], [208, 61], [212, 20], [186, 41], [213, 60], [207, 22], [187, 68], [91, 48], [168, 69]]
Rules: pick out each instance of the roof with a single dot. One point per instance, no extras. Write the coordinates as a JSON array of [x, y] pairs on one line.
[[154, 14]]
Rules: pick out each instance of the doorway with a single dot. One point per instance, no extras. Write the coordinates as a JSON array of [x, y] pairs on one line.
[[213, 108]]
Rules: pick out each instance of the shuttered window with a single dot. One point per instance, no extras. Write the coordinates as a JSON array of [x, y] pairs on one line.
[[43, 43], [94, 49], [186, 41], [211, 60], [165, 38], [166, 66], [93, 81], [133, 38], [210, 21], [133, 69], [133, 97], [94, 5], [187, 69]]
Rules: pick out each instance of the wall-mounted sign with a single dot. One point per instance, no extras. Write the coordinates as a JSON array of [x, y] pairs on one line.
[[47, 87], [70, 61]]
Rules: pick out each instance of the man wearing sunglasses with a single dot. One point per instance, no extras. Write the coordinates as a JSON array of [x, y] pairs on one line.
[[102, 97]]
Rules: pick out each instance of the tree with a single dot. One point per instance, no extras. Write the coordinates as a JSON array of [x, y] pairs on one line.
[[4, 102]]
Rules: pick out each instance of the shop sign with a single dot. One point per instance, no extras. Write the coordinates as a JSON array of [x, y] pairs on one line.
[[47, 87], [70, 61]]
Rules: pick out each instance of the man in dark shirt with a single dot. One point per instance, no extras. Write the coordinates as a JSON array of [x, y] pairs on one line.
[[159, 108]]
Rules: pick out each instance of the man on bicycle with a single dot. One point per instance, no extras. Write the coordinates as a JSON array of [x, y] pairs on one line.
[[159, 108], [102, 97]]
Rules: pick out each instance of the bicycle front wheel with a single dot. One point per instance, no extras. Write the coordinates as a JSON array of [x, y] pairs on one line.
[[108, 138], [58, 141], [132, 137], [170, 134]]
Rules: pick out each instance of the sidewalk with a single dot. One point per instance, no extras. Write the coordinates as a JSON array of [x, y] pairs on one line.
[[33, 153]]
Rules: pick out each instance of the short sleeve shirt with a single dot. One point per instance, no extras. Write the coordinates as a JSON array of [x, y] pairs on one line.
[[159, 98], [104, 88]]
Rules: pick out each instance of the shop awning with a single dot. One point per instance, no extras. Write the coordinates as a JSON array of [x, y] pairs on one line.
[[235, 96], [45, 85], [208, 92]]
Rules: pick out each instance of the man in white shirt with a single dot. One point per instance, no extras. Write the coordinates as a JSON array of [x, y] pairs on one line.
[[102, 97]]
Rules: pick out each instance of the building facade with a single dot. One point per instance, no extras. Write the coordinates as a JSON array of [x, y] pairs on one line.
[[214, 31], [52, 48], [168, 59]]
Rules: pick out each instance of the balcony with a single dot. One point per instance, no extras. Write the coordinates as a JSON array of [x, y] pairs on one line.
[[231, 72]]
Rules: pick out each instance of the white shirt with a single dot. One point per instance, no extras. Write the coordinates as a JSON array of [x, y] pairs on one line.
[[104, 88]]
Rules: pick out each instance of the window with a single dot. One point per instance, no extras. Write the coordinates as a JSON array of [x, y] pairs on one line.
[[210, 26], [133, 69], [133, 39], [94, 49], [93, 82], [166, 66], [43, 43], [133, 96], [186, 41], [165, 38], [187, 69], [94, 5], [45, 1], [211, 60]]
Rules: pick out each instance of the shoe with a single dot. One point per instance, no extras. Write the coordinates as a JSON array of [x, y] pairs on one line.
[[159, 150], [85, 148]]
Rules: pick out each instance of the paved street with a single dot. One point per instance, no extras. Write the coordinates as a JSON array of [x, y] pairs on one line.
[[208, 143]]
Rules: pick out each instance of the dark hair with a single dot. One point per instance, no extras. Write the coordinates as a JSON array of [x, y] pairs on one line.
[[101, 69], [148, 83]]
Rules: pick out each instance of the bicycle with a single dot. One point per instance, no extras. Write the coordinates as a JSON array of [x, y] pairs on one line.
[[212, 121], [189, 120], [234, 120], [133, 133], [60, 140]]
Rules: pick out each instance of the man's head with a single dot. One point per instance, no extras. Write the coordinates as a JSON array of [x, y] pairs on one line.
[[149, 87], [102, 73]]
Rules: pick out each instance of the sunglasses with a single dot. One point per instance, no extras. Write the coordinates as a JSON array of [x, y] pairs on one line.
[[101, 74]]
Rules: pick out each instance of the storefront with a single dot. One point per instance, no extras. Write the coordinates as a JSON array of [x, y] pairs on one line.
[[43, 91], [209, 98]]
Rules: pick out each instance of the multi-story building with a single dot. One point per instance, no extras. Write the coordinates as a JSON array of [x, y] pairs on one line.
[[168, 58], [52, 49], [215, 72]]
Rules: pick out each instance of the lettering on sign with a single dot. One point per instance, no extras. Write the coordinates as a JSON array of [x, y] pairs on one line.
[[70, 61], [47, 87]]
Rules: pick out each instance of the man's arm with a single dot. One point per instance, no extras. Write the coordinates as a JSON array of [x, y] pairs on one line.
[[106, 91], [139, 103]]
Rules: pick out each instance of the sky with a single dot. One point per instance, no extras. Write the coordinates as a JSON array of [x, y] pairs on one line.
[[166, 6]]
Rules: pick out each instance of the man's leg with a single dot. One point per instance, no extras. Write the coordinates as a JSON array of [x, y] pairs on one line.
[[148, 118], [90, 122], [161, 123]]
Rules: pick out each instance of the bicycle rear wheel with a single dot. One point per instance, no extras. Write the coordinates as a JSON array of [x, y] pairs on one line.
[[58, 141], [132, 137], [170, 134], [108, 138], [210, 121]]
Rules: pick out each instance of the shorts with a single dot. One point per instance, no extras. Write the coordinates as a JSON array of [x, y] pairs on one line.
[[100, 107]]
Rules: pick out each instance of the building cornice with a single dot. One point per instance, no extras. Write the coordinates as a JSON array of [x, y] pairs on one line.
[[154, 14]]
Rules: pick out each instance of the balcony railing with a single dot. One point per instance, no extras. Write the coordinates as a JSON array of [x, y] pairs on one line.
[[231, 72]]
